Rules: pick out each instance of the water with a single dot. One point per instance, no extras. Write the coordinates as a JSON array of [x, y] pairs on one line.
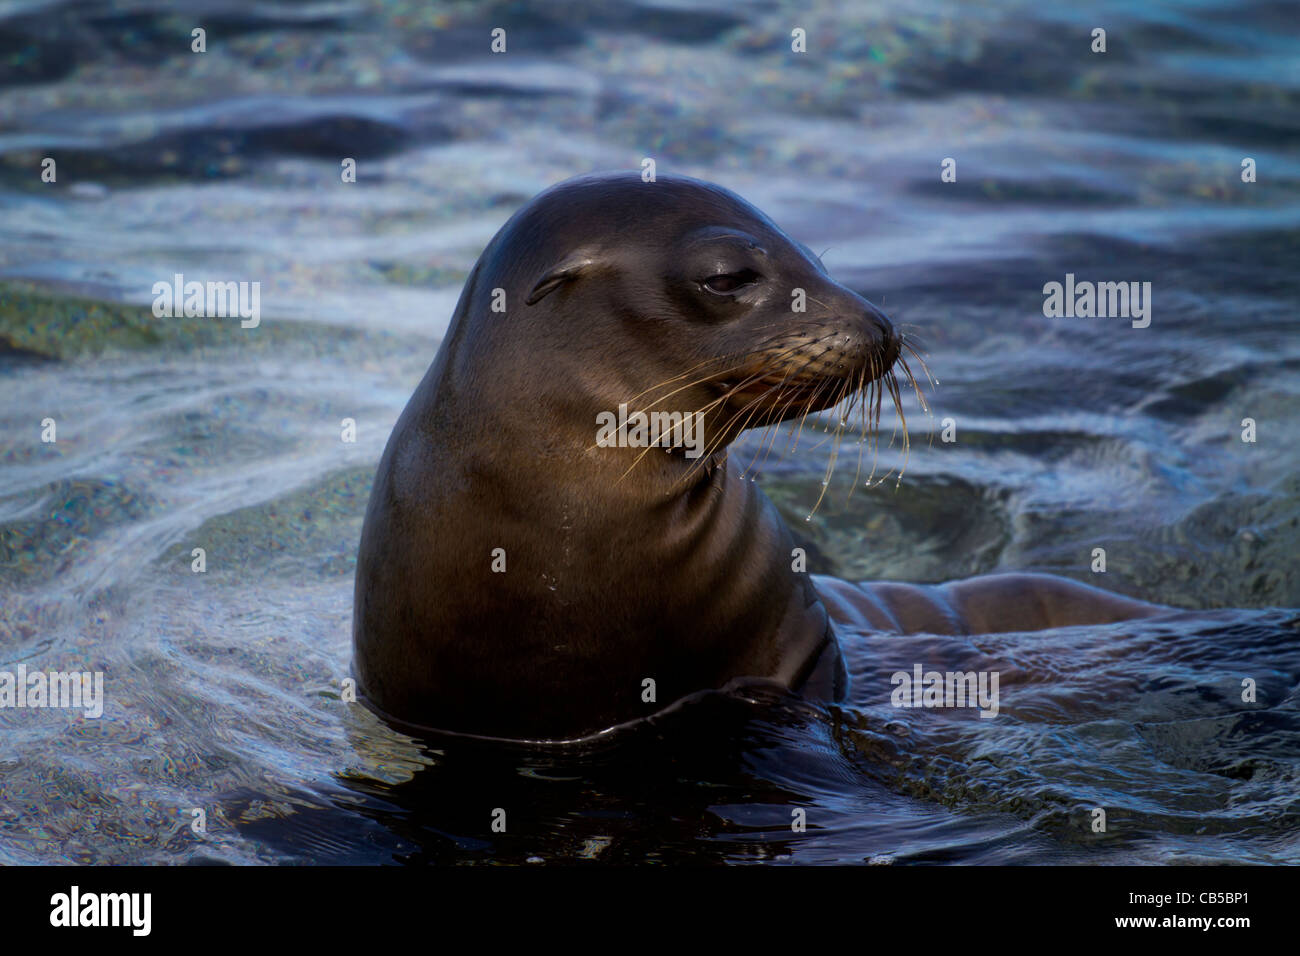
[[223, 688]]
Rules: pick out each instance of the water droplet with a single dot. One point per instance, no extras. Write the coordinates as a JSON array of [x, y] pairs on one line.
[[809, 518]]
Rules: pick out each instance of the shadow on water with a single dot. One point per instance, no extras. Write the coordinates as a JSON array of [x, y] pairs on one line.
[[655, 793], [1147, 724], [723, 781]]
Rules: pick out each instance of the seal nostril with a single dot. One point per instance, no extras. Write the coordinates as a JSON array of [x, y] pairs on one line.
[[887, 335]]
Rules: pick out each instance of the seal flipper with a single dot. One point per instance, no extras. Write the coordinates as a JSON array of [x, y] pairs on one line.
[[998, 603]]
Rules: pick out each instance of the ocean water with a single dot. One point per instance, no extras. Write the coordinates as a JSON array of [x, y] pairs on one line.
[[223, 688]]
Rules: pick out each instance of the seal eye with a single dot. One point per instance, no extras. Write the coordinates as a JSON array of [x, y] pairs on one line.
[[728, 282]]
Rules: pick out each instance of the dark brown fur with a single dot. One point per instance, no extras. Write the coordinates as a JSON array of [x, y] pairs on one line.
[[622, 564]]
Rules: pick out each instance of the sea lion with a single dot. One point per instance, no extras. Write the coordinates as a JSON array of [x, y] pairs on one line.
[[522, 576]]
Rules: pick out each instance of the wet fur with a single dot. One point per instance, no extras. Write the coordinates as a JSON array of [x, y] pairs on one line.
[[622, 563]]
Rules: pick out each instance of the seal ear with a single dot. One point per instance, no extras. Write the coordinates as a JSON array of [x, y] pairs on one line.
[[570, 267]]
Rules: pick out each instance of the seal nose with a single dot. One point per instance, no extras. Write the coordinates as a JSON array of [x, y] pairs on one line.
[[886, 336]]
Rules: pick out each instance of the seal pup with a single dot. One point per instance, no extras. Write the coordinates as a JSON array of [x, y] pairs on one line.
[[519, 577]]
